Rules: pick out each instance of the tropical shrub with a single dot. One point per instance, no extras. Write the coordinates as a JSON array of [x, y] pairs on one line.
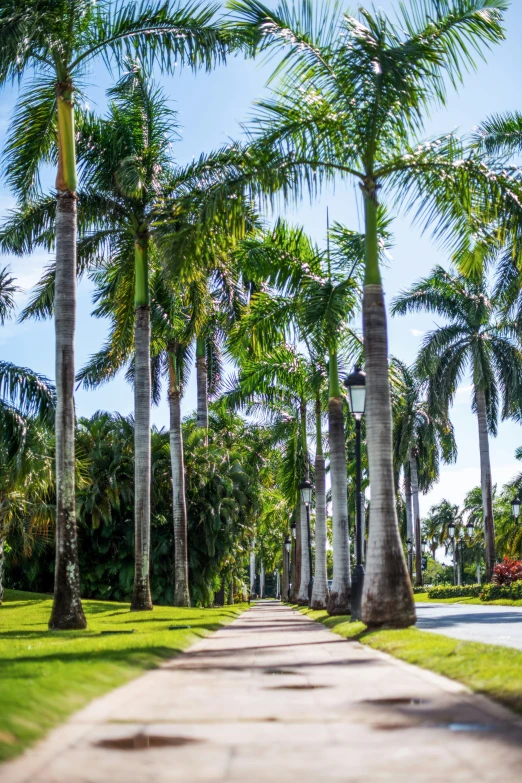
[[507, 572], [458, 591], [494, 592]]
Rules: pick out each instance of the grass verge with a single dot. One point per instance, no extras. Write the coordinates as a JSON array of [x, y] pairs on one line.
[[489, 669], [45, 676], [422, 598]]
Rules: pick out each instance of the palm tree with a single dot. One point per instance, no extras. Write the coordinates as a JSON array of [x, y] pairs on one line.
[[315, 298], [476, 338], [131, 184], [421, 437], [53, 43], [352, 100]]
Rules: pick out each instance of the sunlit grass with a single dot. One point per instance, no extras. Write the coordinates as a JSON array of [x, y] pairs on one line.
[[423, 598], [490, 669], [45, 676]]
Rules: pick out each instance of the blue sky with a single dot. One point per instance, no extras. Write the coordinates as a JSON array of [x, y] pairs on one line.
[[211, 108]]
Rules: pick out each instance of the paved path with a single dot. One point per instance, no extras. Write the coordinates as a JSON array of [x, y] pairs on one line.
[[489, 624], [276, 697]]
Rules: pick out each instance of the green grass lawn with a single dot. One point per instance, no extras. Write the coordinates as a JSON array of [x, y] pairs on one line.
[[44, 676], [484, 668], [423, 598]]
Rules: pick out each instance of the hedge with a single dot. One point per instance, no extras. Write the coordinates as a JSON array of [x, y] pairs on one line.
[[494, 592], [460, 591]]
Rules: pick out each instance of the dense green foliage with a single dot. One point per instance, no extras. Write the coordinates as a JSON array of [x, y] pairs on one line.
[[458, 591], [229, 487], [494, 592]]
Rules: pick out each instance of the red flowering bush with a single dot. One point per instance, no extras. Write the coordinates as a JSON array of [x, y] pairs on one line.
[[507, 572]]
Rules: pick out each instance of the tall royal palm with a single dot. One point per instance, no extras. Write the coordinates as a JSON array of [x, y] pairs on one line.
[[316, 296], [475, 339], [421, 438], [352, 100], [131, 183], [52, 43]]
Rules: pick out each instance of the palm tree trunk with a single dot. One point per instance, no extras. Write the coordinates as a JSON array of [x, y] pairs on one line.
[[304, 580], [202, 384], [262, 579], [141, 599], [320, 588], [67, 612], [486, 483], [296, 561], [304, 573], [416, 518], [252, 569], [179, 505], [409, 525], [286, 575], [387, 595], [340, 594]]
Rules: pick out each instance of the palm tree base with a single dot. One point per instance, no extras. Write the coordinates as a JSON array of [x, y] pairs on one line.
[[393, 609], [141, 599], [339, 603], [66, 615], [318, 603], [181, 598]]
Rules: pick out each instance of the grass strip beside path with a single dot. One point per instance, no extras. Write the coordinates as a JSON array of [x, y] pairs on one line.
[[45, 677], [489, 669], [422, 598]]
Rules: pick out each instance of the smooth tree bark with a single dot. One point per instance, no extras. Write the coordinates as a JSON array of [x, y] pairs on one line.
[[286, 575], [304, 581], [141, 598], [320, 588], [340, 594], [387, 595], [486, 482], [252, 569], [416, 516], [202, 384], [67, 612], [409, 519], [261, 579], [296, 557], [179, 505], [302, 523]]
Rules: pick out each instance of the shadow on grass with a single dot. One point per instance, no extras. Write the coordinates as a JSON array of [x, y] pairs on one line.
[[143, 657]]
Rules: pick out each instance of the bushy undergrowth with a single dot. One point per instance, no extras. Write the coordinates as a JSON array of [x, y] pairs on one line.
[[459, 591], [494, 592]]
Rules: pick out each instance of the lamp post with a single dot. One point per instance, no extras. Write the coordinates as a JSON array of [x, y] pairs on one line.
[[306, 489], [288, 546], [356, 385], [515, 507]]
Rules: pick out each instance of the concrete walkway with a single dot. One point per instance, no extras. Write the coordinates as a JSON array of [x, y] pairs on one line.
[[489, 624], [276, 697]]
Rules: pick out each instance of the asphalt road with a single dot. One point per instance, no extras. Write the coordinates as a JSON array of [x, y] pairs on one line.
[[489, 624]]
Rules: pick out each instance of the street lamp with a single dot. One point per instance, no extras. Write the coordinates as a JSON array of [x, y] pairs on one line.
[[293, 528], [288, 546], [409, 546], [306, 489], [515, 506], [356, 385], [451, 529], [470, 528]]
